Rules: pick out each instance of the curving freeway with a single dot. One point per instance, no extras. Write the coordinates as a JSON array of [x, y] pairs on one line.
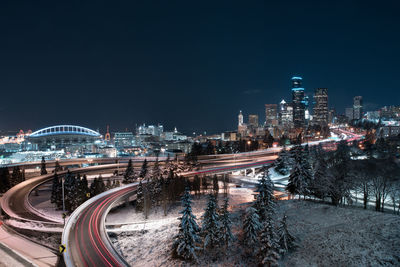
[[84, 235]]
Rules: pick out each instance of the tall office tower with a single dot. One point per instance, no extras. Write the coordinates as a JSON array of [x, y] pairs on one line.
[[357, 107], [240, 119], [285, 114], [349, 113], [271, 115], [298, 103], [321, 111], [242, 127], [253, 121]]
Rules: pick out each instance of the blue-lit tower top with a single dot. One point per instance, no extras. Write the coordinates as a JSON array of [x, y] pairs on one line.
[[296, 83]]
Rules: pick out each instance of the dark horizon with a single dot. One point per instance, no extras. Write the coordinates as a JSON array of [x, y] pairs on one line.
[[189, 65]]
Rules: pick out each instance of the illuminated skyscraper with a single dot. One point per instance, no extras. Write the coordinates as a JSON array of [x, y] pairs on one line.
[[240, 118], [321, 112], [271, 117], [285, 114], [298, 103], [357, 107], [253, 121]]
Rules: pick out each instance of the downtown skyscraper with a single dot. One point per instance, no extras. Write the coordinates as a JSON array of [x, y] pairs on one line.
[[321, 111], [298, 103], [357, 107]]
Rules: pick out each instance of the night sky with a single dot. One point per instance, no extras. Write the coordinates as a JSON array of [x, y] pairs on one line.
[[189, 64]]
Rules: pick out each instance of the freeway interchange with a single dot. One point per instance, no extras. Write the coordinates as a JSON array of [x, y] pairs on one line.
[[84, 234]]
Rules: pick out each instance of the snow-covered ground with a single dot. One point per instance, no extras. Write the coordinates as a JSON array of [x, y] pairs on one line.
[[326, 235], [337, 236]]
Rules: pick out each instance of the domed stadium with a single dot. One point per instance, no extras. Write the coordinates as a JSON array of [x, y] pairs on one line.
[[69, 137]]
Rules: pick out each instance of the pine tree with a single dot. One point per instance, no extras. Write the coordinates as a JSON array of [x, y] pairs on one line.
[[185, 244], [57, 167], [282, 163], [70, 189], [300, 177], [286, 240], [269, 248], [16, 176], [101, 185], [93, 187], [225, 224], [156, 173], [251, 228], [210, 224], [143, 171], [82, 190], [43, 170], [215, 185], [139, 197], [264, 203], [319, 187], [55, 189], [129, 173], [108, 184]]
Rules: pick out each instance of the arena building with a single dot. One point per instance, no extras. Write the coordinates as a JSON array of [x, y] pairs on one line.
[[71, 138]]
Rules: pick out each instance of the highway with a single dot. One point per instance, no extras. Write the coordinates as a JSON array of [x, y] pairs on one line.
[[85, 236]]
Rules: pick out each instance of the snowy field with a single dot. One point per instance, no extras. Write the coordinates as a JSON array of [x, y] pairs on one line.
[[326, 235]]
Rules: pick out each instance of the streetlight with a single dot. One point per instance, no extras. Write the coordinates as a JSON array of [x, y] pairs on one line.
[[63, 198], [248, 144]]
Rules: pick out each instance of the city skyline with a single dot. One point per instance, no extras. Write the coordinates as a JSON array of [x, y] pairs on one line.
[[188, 65]]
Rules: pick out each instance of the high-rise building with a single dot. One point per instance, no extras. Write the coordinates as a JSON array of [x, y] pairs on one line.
[[298, 103], [242, 127], [253, 120], [349, 113], [321, 111], [357, 107], [240, 119], [271, 115], [285, 114]]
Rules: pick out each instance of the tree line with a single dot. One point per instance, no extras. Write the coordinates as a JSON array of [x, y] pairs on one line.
[[262, 237], [344, 176]]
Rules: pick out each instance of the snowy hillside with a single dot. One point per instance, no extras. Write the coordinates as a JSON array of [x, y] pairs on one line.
[[326, 235]]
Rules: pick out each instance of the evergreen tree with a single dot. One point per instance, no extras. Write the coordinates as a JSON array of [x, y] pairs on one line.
[[210, 224], [70, 189], [264, 204], [16, 176], [129, 173], [101, 185], [282, 163], [57, 167], [185, 244], [225, 225], [215, 185], [156, 173], [108, 184], [251, 227], [196, 184], [55, 189], [319, 187], [43, 170], [286, 240], [269, 248], [143, 171], [300, 177], [139, 197], [83, 189]]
